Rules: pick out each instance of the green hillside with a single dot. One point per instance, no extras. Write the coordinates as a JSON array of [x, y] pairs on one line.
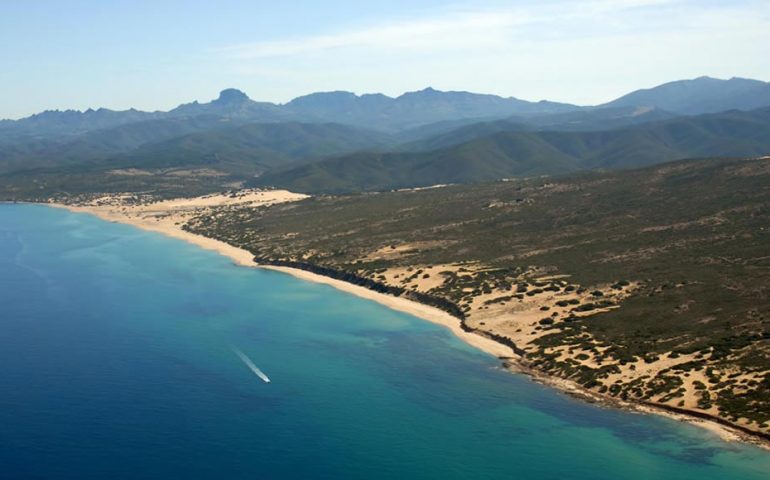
[[185, 165], [250, 149], [447, 134], [692, 236], [524, 153], [99, 146], [195, 141], [480, 160]]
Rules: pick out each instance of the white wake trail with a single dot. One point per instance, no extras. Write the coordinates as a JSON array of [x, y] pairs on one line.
[[246, 360]]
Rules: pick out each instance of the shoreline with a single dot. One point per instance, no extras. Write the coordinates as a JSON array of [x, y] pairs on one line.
[[245, 258], [721, 428]]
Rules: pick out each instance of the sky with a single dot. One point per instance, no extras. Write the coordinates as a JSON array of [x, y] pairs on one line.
[[154, 55]]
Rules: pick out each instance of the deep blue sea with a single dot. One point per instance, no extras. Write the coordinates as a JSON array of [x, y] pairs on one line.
[[117, 362]]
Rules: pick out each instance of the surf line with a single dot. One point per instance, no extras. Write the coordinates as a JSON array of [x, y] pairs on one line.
[[247, 361]]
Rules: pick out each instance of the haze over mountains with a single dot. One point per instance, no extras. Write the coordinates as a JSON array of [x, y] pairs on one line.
[[702, 95], [378, 111], [375, 111], [339, 141], [516, 153]]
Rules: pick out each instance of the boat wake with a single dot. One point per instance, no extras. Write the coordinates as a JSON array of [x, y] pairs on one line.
[[247, 361]]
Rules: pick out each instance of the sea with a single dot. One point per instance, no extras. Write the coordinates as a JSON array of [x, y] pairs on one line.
[[123, 356]]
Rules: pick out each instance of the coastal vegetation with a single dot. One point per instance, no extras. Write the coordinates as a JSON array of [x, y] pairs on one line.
[[648, 286], [574, 236]]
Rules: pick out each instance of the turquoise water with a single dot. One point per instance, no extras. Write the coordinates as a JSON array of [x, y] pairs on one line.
[[116, 362]]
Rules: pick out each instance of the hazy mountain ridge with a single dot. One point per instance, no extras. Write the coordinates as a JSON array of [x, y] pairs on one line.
[[448, 134], [371, 110], [700, 95], [524, 153], [254, 148], [499, 136], [409, 110], [100, 144], [52, 124], [416, 108], [233, 104]]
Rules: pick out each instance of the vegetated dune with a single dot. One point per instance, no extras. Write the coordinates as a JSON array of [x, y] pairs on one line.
[[647, 285]]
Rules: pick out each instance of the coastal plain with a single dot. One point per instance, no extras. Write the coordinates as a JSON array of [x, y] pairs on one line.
[[587, 283], [118, 346]]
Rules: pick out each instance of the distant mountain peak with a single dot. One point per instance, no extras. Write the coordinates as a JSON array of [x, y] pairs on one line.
[[231, 95], [700, 95], [425, 91]]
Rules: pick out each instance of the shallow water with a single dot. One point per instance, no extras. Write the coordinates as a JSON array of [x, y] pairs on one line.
[[116, 361]]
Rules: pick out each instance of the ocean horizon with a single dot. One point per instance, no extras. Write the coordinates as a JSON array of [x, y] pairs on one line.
[[119, 353]]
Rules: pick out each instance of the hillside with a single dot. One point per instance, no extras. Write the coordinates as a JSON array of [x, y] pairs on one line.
[[61, 124], [253, 148], [525, 153], [700, 95], [444, 137], [648, 285], [202, 162], [98, 146], [446, 134], [500, 156]]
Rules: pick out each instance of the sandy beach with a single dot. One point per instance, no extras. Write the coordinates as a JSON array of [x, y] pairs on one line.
[[168, 217]]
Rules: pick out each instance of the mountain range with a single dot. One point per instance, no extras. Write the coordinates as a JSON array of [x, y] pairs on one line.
[[478, 154], [701, 95], [339, 141], [410, 110]]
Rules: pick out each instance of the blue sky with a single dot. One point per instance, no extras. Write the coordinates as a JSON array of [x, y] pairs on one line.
[[156, 54]]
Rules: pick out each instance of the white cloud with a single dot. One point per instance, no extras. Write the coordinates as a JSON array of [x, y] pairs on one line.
[[464, 29], [476, 29], [563, 50]]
